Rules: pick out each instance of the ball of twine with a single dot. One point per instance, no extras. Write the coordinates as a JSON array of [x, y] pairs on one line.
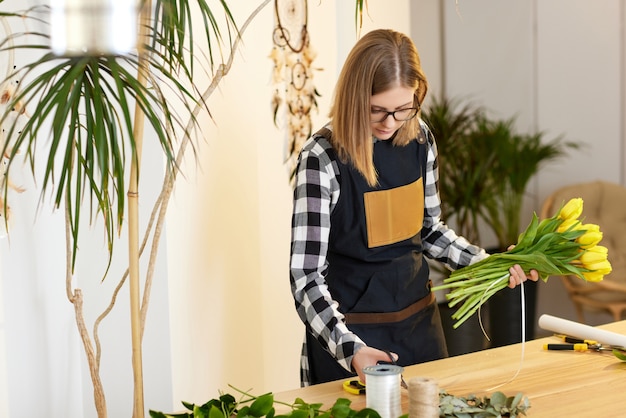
[[423, 398]]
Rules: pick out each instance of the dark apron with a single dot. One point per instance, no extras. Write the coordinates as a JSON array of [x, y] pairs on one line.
[[376, 266]]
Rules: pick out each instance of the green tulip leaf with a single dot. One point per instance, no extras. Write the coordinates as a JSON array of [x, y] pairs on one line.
[[620, 354]]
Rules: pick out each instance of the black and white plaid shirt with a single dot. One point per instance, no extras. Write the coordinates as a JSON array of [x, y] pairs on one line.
[[316, 194]]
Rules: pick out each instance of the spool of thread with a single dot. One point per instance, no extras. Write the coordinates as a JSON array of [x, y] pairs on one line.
[[423, 398], [383, 389]]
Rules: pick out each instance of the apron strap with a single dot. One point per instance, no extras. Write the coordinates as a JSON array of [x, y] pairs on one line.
[[389, 317]]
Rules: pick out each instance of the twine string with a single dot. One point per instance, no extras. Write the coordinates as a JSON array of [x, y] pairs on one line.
[[482, 300], [523, 344], [423, 398]]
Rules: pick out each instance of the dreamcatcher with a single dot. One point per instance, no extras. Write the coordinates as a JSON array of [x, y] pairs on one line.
[[294, 93], [14, 113]]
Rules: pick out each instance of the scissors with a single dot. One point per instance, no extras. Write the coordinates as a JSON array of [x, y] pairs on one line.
[[579, 344], [393, 361]]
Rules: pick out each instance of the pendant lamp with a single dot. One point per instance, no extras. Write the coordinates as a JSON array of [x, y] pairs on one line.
[[93, 27]]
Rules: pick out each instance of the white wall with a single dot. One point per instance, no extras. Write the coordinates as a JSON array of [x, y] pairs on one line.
[[233, 319], [4, 382]]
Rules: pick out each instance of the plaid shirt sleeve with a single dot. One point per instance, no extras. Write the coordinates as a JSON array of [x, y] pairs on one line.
[[440, 242], [316, 192]]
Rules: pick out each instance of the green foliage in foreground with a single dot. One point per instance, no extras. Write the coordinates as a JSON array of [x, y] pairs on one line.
[[498, 405], [249, 406], [263, 406]]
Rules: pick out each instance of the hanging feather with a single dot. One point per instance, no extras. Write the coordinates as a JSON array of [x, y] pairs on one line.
[[295, 95]]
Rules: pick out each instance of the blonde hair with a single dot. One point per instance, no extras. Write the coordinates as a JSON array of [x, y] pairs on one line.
[[382, 59]]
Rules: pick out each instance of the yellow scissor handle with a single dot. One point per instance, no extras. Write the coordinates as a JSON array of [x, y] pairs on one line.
[[574, 347], [354, 386]]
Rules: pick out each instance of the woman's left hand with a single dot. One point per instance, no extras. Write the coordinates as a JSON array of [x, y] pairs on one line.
[[518, 276]]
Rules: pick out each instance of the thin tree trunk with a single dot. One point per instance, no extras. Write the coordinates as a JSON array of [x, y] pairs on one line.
[[76, 298], [133, 222]]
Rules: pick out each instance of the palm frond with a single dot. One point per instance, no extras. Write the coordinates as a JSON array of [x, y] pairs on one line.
[[81, 107], [172, 28]]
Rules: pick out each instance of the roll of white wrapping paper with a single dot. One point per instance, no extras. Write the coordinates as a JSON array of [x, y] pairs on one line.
[[576, 329]]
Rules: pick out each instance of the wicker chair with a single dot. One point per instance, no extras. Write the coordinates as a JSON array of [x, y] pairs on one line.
[[604, 205]]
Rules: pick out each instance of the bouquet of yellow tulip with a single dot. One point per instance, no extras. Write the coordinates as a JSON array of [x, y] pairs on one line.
[[560, 245]]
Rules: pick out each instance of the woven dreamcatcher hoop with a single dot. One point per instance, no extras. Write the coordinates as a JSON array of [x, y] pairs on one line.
[[294, 93], [16, 115]]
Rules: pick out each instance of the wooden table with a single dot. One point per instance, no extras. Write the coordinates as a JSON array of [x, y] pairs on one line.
[[557, 383]]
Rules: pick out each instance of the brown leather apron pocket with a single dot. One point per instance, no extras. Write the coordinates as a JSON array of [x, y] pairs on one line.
[[394, 215]]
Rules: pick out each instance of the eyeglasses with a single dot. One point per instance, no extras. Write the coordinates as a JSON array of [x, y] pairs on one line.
[[401, 115]]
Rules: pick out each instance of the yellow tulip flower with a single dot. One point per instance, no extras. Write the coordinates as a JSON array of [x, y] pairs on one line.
[[572, 209], [560, 245], [593, 276], [590, 227], [569, 224], [590, 239], [595, 254], [600, 267]]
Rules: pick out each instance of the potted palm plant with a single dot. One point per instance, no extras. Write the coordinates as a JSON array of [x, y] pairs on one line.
[[485, 167], [513, 158]]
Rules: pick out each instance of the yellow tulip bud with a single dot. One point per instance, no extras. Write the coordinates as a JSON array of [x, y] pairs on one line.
[[600, 267], [593, 276], [590, 239], [595, 254], [572, 209], [568, 224], [590, 227]]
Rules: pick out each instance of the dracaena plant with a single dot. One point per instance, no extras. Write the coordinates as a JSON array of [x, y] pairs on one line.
[[485, 167], [83, 105], [513, 159], [451, 121]]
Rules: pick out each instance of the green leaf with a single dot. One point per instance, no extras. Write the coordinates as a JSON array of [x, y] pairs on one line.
[[300, 413], [262, 405], [620, 354], [498, 400], [214, 412], [367, 412], [243, 412], [341, 410], [156, 414]]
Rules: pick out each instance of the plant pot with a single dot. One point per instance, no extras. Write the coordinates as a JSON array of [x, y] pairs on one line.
[[505, 314]]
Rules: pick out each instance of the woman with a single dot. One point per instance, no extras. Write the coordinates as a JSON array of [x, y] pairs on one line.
[[366, 212]]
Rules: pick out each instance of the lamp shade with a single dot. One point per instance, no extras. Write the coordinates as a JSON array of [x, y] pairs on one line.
[[93, 27]]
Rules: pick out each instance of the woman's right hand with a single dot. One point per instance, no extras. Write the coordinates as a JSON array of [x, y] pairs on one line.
[[368, 356]]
